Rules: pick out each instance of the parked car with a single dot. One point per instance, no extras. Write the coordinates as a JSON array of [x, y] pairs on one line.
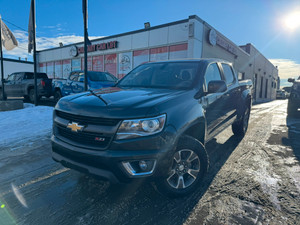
[[75, 83], [21, 84], [153, 124], [294, 98], [281, 94]]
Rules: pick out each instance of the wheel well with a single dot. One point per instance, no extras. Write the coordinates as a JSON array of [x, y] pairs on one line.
[[29, 88], [57, 89], [196, 131]]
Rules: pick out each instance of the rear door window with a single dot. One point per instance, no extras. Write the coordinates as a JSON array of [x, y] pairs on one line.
[[19, 76], [29, 76], [228, 73], [212, 73], [42, 75]]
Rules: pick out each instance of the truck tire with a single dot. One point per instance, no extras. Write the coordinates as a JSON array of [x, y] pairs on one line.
[[239, 128], [188, 167], [31, 95], [57, 95]]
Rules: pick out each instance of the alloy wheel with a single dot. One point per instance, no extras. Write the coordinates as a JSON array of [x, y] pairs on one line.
[[185, 169]]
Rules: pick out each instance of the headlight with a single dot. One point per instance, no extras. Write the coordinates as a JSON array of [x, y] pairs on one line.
[[141, 127]]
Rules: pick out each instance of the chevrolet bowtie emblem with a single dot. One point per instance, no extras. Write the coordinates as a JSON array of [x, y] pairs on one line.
[[75, 126]]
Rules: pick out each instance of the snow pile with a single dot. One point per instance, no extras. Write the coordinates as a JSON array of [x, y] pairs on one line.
[[25, 124]]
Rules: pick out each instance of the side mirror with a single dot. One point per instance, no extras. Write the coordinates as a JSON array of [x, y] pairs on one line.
[[217, 86], [292, 80]]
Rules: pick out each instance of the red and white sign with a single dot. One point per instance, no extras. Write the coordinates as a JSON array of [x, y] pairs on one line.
[[98, 63], [157, 54], [50, 69], [110, 63], [43, 68], [178, 51], [58, 69], [125, 63], [140, 57], [66, 67], [89, 63]]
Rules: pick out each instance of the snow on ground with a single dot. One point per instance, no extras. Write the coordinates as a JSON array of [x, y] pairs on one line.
[[25, 124]]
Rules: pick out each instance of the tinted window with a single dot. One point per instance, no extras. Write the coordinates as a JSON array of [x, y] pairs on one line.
[[212, 73], [19, 76], [110, 78], [42, 75], [74, 77], [28, 76], [162, 75], [100, 76], [229, 77], [11, 77], [39, 76]]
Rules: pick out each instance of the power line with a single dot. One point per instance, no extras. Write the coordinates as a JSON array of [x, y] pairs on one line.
[[27, 31]]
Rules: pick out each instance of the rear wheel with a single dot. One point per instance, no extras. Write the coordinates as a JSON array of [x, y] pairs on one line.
[[57, 95], [239, 128], [188, 167], [31, 95]]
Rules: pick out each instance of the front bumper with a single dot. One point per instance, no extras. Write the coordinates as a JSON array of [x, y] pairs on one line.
[[109, 163]]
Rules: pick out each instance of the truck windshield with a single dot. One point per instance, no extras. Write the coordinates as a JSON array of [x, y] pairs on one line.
[[162, 75]]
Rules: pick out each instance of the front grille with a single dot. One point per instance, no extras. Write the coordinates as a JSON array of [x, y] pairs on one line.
[[87, 119], [84, 138]]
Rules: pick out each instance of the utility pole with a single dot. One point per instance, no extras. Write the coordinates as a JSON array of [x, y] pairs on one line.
[[2, 72], [84, 9]]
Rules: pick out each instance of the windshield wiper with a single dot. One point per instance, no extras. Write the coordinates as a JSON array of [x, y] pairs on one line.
[[98, 96]]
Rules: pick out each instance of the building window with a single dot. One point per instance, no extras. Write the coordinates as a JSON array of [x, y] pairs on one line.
[[266, 90], [261, 87]]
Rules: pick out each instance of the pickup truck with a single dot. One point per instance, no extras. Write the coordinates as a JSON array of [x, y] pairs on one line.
[[153, 124], [75, 83], [294, 98], [21, 84]]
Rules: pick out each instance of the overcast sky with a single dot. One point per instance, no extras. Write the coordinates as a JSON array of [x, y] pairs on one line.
[[260, 22]]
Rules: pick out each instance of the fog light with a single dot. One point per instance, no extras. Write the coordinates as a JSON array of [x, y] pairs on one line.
[[143, 165], [140, 168]]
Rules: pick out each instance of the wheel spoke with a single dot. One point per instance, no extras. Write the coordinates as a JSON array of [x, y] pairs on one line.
[[193, 173], [172, 173], [192, 157], [180, 182], [177, 156]]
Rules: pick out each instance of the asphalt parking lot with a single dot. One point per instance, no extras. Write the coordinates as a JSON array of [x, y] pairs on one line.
[[255, 180]]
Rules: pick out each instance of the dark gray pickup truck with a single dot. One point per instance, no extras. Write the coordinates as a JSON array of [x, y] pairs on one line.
[[154, 123], [21, 84]]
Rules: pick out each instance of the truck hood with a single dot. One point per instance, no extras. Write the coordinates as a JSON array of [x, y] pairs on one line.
[[121, 102]]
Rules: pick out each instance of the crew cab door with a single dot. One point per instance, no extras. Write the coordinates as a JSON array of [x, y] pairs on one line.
[[78, 84], [67, 87], [9, 85], [213, 103], [17, 87], [232, 95]]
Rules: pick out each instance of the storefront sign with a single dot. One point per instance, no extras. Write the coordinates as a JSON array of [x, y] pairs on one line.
[[215, 39], [99, 47], [125, 63]]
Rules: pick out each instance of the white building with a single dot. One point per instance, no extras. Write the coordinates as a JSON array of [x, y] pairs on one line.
[[189, 38], [12, 65]]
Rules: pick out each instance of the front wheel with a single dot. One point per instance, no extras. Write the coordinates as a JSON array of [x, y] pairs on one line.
[[239, 128], [188, 167]]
